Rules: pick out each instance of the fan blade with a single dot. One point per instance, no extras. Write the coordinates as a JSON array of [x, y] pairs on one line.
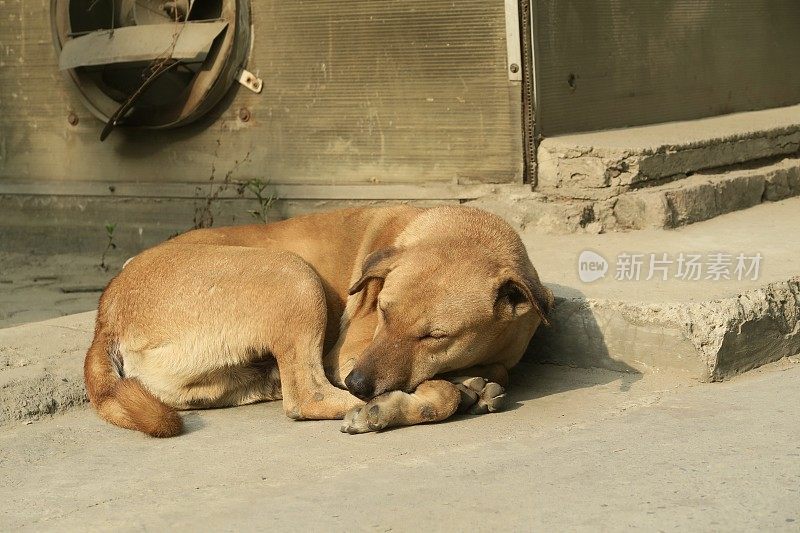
[[189, 41]]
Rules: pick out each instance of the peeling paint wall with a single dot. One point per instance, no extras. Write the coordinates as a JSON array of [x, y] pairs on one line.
[[355, 91]]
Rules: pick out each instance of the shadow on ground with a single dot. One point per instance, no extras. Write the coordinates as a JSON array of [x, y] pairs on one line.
[[556, 345]]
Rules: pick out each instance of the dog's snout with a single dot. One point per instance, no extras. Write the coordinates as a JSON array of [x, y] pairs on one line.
[[359, 385]]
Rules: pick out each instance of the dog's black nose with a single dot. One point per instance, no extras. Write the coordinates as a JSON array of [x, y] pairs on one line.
[[359, 385]]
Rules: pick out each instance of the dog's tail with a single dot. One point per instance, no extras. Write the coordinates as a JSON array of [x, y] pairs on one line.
[[124, 401]]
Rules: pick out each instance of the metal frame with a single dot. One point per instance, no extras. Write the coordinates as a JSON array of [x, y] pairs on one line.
[[188, 190], [513, 48], [534, 65]]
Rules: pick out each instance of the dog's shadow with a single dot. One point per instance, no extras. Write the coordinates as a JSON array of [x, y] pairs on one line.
[[531, 380], [571, 353], [192, 421]]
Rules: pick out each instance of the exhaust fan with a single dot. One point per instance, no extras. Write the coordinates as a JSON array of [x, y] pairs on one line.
[[152, 63]]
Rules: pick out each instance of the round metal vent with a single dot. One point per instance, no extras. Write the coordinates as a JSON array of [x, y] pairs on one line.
[[151, 63]]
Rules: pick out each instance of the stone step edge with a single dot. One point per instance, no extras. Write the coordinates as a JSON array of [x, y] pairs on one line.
[[694, 198], [706, 195], [586, 170], [708, 341]]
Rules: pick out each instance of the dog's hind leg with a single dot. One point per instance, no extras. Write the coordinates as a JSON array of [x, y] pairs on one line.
[[432, 401]]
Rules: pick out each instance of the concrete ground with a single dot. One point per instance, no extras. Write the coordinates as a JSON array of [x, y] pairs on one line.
[[579, 450], [39, 286]]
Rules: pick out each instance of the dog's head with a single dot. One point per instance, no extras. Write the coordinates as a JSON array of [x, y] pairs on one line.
[[449, 300]]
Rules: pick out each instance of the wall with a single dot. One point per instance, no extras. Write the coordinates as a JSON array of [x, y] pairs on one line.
[[613, 63], [356, 91]]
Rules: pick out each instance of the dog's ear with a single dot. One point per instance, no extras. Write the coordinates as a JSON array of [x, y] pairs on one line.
[[376, 265], [518, 294]]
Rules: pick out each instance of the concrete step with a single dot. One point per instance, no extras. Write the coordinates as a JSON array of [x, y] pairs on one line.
[[684, 200], [706, 195], [707, 328], [601, 165]]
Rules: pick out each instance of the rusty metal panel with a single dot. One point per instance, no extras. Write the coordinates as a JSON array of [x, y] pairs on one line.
[[355, 91], [613, 63]]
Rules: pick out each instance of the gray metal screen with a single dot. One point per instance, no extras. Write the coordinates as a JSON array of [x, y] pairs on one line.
[[613, 63]]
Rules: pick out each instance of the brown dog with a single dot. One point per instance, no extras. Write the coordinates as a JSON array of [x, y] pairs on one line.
[[412, 310]]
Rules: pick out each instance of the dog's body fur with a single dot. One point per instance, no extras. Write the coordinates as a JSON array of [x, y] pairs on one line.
[[380, 300]]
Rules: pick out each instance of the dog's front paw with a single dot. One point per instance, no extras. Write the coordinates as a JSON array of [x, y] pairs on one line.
[[363, 419], [490, 400], [480, 397], [355, 421]]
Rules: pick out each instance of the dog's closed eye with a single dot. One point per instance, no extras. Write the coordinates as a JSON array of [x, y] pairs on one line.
[[433, 335]]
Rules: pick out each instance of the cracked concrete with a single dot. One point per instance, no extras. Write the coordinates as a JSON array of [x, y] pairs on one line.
[[671, 204], [709, 341], [603, 164], [707, 195], [41, 367]]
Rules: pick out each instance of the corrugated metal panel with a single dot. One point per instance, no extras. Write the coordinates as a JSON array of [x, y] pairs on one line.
[[613, 63], [355, 91]]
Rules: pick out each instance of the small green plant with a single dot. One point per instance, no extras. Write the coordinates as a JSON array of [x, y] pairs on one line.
[[110, 245], [257, 188]]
